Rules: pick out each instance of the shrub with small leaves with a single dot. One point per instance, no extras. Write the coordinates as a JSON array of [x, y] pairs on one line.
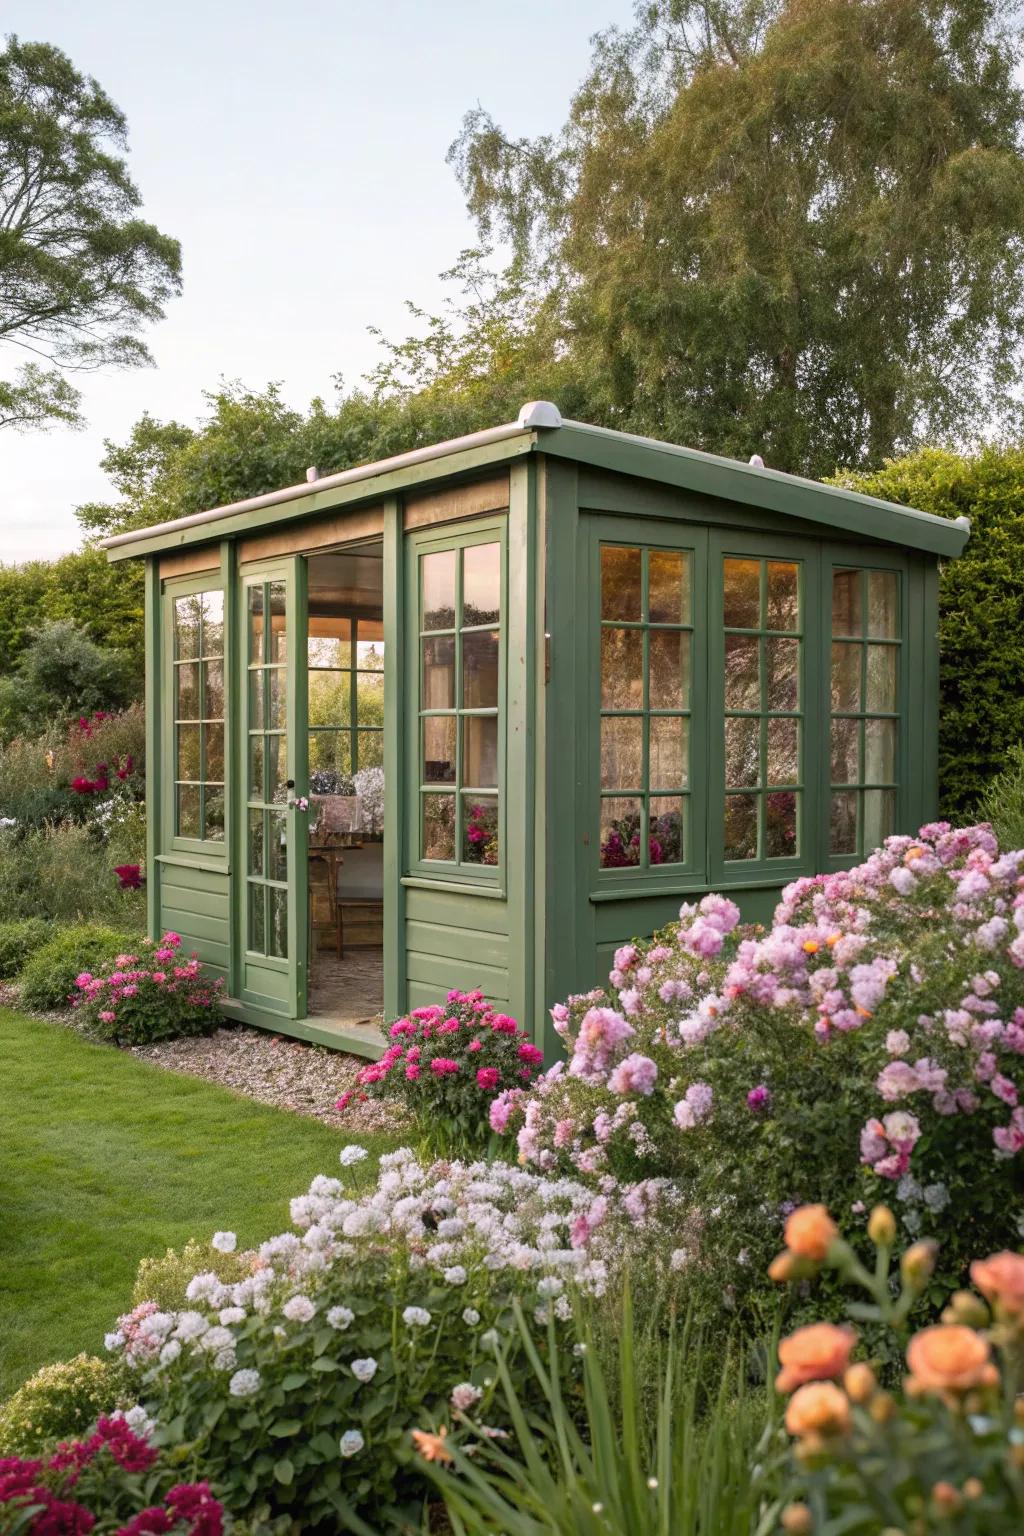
[[48, 979], [18, 941], [165, 1280], [59, 1402]]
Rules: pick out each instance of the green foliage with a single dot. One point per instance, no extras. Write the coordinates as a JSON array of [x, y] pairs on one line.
[[48, 980], [19, 940], [789, 228], [699, 1471], [59, 1402], [163, 1280], [82, 273], [59, 872], [105, 600], [306, 1396], [61, 674], [981, 595], [1002, 804]]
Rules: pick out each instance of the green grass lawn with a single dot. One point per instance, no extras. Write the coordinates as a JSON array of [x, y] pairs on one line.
[[104, 1160]]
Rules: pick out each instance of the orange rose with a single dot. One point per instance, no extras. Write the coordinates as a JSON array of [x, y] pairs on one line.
[[818, 1409], [810, 1232], [816, 1353], [1000, 1279], [949, 1358]]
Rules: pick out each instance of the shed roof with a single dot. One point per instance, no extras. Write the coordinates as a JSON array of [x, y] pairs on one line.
[[541, 429]]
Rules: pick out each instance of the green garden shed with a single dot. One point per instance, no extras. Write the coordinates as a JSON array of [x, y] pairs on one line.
[[473, 715]]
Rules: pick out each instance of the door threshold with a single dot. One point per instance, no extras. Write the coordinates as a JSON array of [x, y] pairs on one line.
[[363, 1039]]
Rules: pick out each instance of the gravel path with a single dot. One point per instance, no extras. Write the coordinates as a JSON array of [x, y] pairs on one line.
[[276, 1070]]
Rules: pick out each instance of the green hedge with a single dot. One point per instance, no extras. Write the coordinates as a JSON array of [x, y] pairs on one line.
[[981, 625], [48, 980]]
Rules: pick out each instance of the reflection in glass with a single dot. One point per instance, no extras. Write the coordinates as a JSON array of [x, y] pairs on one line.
[[481, 584], [668, 587], [480, 831], [213, 690], [256, 787], [439, 673], [847, 615], [278, 681], [186, 627], [881, 687], [480, 669], [622, 745], [843, 822], [620, 833], [742, 582], [256, 623], [742, 674], [741, 826], [879, 816], [213, 623], [669, 662], [480, 751], [666, 840], [742, 751], [370, 698], [188, 752], [188, 810], [277, 846], [783, 665], [783, 752], [780, 823], [879, 751], [439, 826], [278, 619], [845, 752], [783, 595], [668, 760], [257, 927], [846, 677], [620, 583], [213, 813], [277, 766], [187, 683], [277, 914], [371, 749], [883, 599], [254, 864], [438, 579], [214, 740], [439, 733], [622, 681], [331, 650], [256, 690]]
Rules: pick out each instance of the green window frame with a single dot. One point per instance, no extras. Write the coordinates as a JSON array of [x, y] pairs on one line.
[[196, 716], [350, 742], [867, 694], [646, 686], [457, 584], [267, 781], [762, 686]]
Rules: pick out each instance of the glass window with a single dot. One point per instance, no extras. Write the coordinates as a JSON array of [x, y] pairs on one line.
[[345, 659], [864, 722], [646, 642], [763, 756], [197, 694], [460, 670], [267, 770]]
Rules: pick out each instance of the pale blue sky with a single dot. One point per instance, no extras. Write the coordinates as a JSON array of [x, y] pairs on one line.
[[297, 151]]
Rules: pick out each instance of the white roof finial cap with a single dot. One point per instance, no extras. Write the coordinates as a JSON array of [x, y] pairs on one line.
[[540, 413], [757, 461]]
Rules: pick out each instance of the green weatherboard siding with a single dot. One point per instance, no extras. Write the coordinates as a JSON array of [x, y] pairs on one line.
[[798, 726]]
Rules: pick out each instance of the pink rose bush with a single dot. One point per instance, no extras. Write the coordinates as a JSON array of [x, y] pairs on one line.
[[448, 1065], [113, 1481], [154, 995], [869, 1044]]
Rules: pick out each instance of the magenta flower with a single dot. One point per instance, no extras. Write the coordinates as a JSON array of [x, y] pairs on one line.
[[489, 1078], [759, 1097], [443, 1066]]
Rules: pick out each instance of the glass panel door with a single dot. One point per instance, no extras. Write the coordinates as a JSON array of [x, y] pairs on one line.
[[271, 880]]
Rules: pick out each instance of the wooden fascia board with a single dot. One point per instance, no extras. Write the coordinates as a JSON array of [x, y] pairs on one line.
[[788, 496], [374, 488]]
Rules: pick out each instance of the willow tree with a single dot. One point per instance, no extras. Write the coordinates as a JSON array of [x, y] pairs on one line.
[[787, 228]]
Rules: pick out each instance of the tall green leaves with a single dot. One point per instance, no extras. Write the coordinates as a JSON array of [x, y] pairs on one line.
[[792, 229]]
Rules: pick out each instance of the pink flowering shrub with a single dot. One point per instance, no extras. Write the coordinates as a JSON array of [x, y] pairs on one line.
[[448, 1065], [869, 1045], [151, 995], [112, 1481]]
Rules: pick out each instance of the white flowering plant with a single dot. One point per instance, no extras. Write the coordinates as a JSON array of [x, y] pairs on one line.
[[300, 1387], [870, 1041]]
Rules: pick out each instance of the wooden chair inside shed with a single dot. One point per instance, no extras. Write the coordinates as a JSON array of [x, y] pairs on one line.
[[360, 898]]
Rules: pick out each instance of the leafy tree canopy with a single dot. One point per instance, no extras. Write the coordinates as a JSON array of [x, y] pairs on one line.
[[105, 600], [80, 272], [61, 674], [792, 228]]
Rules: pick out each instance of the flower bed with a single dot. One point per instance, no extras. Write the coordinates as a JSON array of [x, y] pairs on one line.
[[149, 996]]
